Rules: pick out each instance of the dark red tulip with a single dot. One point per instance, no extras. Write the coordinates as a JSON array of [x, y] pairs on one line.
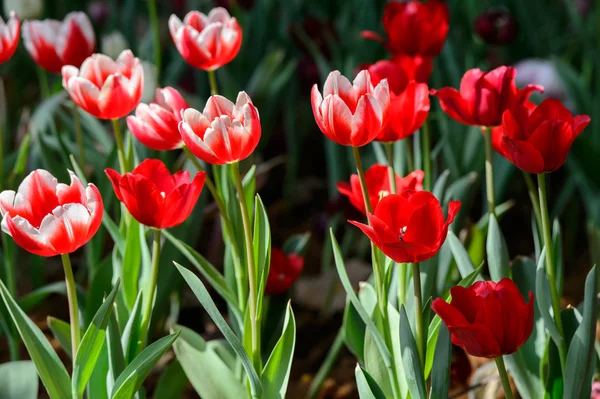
[[487, 319], [496, 26], [538, 141], [484, 96], [283, 272], [378, 186], [409, 227]]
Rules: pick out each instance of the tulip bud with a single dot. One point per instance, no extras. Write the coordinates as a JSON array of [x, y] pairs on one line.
[[25, 9], [113, 44], [496, 26], [99, 11]]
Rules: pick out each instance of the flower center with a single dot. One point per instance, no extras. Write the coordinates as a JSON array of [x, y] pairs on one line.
[[402, 233]]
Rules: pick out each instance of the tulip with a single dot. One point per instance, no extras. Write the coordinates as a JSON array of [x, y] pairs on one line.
[[156, 125], [25, 9], [378, 186], [409, 227], [484, 96], [206, 42], [154, 197], [351, 114], [9, 37], [48, 218], [538, 141], [487, 319], [409, 101], [496, 26], [417, 68], [105, 88], [53, 44], [223, 132], [283, 271]]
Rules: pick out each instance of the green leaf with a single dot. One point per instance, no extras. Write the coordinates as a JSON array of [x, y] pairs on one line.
[[18, 380], [116, 358], [262, 250], [92, 343], [581, 357], [206, 301], [34, 298], [172, 381], [132, 261], [353, 331], [440, 185], [208, 373], [130, 335], [463, 261], [296, 244], [558, 255], [542, 297], [367, 386], [440, 377], [410, 359], [497, 251], [62, 332], [133, 376], [276, 373], [53, 374]]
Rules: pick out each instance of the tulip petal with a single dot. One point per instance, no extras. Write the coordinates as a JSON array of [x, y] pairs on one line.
[[66, 229], [579, 123], [115, 179], [26, 236], [157, 172], [143, 199], [454, 105], [524, 155], [337, 120]]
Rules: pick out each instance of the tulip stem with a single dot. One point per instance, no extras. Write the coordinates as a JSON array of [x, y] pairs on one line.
[[426, 156], [79, 137], [241, 290], [44, 87], [73, 310], [150, 289], [120, 148], [212, 80], [555, 298], [255, 348], [533, 196], [401, 283], [410, 163], [416, 270], [153, 16], [508, 393], [489, 170], [389, 149]]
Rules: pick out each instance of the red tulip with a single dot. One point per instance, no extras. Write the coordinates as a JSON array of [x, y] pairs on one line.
[[156, 125], [538, 141], [409, 101], [223, 132], [351, 113], [378, 186], [53, 44], [105, 88], [496, 26], [409, 227], [416, 67], [48, 218], [487, 319], [154, 197], [283, 272], [207, 42], [9, 37], [484, 96]]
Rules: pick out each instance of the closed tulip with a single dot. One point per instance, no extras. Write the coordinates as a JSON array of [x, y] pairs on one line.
[[154, 196], [9, 37], [49, 218], [351, 114], [538, 140], [156, 124], [53, 44], [105, 88], [283, 271], [378, 186], [223, 132], [487, 319], [484, 96], [207, 41], [409, 227]]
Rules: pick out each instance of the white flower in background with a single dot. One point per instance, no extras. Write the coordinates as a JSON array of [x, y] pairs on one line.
[[25, 9], [541, 72], [113, 44], [150, 82]]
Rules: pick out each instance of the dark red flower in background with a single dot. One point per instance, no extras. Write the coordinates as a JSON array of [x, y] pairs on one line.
[[496, 26], [283, 272], [487, 319], [484, 96], [409, 227], [538, 140]]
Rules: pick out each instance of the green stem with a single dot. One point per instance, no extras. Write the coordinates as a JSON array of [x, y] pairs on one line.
[[150, 289], [255, 348], [533, 196], [73, 310], [389, 149], [416, 270], [79, 137], [550, 270], [401, 283], [153, 16], [504, 377], [212, 80], [43, 79], [489, 170], [426, 157], [11, 284], [237, 263], [2, 156], [326, 366], [120, 148], [409, 155]]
